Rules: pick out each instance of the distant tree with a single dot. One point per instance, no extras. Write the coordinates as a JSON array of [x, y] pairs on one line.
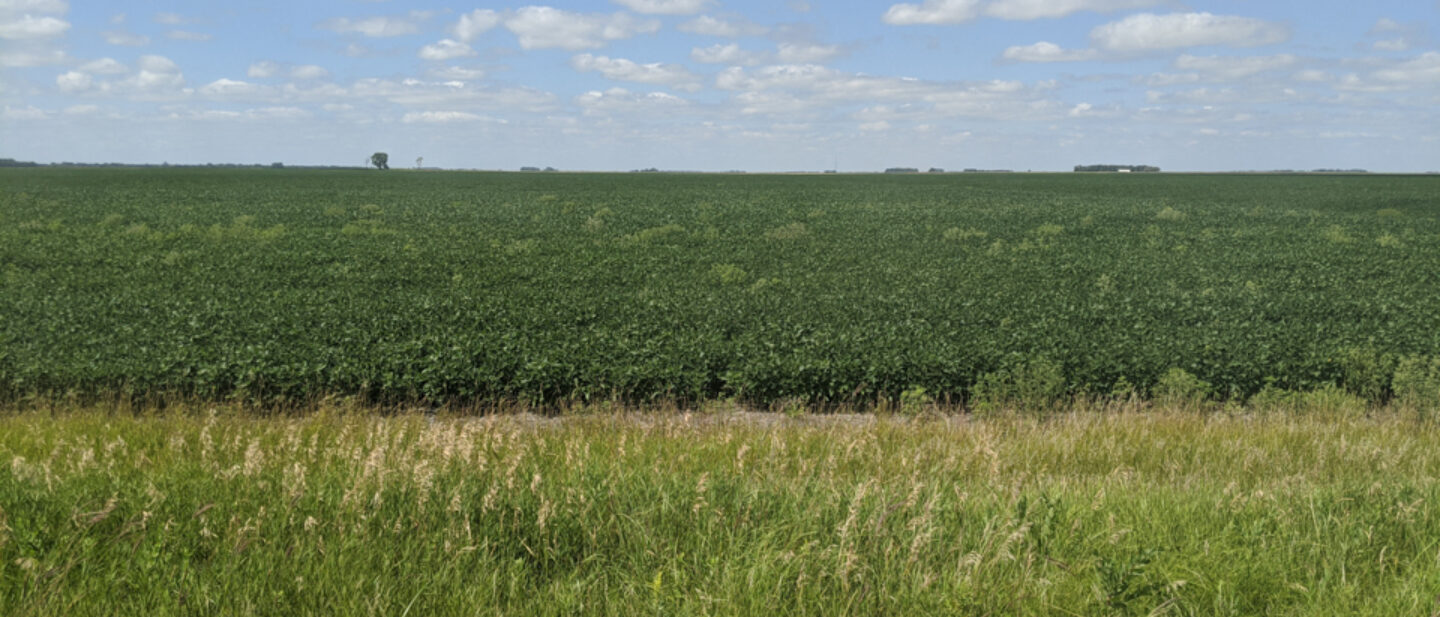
[[380, 160], [419, 160]]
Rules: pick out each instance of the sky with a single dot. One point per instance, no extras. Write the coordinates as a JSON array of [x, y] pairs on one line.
[[718, 85]]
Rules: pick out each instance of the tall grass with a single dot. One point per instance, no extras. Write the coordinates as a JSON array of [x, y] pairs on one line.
[[1167, 512]]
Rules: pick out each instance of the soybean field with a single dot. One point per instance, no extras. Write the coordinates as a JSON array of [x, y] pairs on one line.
[[287, 284]]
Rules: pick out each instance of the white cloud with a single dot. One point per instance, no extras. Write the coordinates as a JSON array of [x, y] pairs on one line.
[[31, 27], [266, 114], [157, 73], [186, 35], [81, 110], [1233, 67], [456, 73], [169, 19], [620, 69], [620, 100], [448, 94], [541, 27], [229, 88], [29, 112], [730, 54], [74, 81], [263, 69], [104, 66], [1045, 51], [445, 117], [33, 6], [474, 24], [1423, 69], [665, 7], [790, 53], [377, 27], [1044, 9], [277, 113], [32, 58], [706, 25], [307, 72], [933, 12], [125, 39], [1396, 36], [1147, 31], [446, 49], [801, 88]]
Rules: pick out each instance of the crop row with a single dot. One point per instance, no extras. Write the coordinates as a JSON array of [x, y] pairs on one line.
[[451, 286]]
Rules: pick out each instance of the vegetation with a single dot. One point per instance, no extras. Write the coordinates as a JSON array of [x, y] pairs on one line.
[[1145, 168], [290, 285], [1299, 507]]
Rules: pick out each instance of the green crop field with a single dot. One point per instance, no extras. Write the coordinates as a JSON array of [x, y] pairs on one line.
[[279, 285], [254, 393]]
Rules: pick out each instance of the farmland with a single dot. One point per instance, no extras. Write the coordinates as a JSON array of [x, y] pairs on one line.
[[254, 392], [284, 285]]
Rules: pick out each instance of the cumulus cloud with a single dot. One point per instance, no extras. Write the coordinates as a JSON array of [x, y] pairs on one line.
[[731, 54], [33, 6], [446, 49], [377, 27], [620, 69], [186, 35], [1049, 9], [157, 73], [1423, 69], [620, 100], [169, 19], [445, 117], [792, 53], [81, 79], [125, 39], [228, 88], [309, 72], [104, 66], [933, 12], [1045, 51], [1147, 31], [263, 69], [1234, 67], [30, 27], [39, 57], [456, 73], [74, 81], [28, 112], [799, 88], [665, 7], [474, 24], [706, 25], [1395, 36], [542, 27]]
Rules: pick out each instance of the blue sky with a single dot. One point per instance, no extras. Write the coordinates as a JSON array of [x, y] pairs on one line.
[[726, 84]]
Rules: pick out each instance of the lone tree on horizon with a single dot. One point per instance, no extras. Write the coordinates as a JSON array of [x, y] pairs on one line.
[[380, 160]]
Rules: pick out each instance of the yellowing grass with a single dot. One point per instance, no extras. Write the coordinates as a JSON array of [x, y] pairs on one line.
[[1162, 512]]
